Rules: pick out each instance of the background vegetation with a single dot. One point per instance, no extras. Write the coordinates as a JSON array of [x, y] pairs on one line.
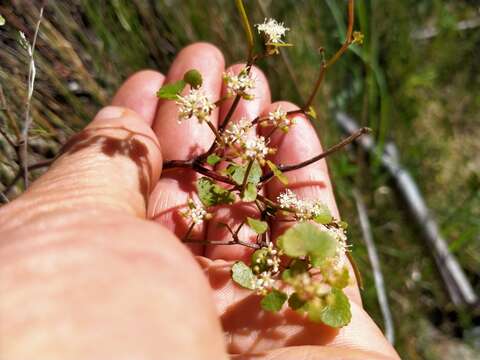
[[424, 94]]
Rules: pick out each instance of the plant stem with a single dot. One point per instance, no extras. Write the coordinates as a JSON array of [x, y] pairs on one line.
[[218, 137], [219, 242], [260, 119], [245, 178], [348, 140], [335, 57]]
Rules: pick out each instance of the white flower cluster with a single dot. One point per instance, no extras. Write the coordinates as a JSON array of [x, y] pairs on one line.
[[241, 84], [194, 104], [279, 118], [308, 210], [195, 212], [266, 265], [340, 235], [237, 132], [256, 148], [272, 30], [303, 209]]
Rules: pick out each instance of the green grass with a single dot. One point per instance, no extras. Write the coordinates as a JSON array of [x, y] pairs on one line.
[[423, 94]]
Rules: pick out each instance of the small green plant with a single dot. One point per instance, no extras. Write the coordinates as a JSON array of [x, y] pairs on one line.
[[306, 268]]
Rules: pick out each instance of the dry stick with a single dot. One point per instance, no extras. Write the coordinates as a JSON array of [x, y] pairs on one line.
[[287, 168], [377, 271], [31, 83]]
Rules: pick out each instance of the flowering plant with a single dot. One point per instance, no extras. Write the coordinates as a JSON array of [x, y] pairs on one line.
[[306, 266]]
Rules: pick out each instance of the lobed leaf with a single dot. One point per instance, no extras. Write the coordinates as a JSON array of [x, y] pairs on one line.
[[250, 193], [306, 239], [237, 173], [258, 226], [295, 302], [212, 194], [296, 267], [243, 275], [273, 301], [213, 159], [336, 313]]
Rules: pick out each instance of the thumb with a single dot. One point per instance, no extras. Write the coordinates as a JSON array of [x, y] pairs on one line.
[[112, 164]]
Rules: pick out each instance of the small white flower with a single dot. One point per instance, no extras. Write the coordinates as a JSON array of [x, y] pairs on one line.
[[256, 149], [194, 104], [237, 132], [263, 282], [195, 212], [272, 30], [241, 84], [279, 118], [303, 209], [342, 245], [287, 199]]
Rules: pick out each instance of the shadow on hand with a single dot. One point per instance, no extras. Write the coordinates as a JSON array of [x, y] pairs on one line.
[[128, 146]]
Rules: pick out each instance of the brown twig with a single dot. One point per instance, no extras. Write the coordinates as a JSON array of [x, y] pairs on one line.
[[335, 57], [334, 148], [219, 242]]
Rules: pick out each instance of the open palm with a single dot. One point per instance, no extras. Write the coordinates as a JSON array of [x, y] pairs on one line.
[[122, 287], [247, 328]]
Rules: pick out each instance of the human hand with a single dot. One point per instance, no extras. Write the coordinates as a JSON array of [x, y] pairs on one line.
[[84, 274]]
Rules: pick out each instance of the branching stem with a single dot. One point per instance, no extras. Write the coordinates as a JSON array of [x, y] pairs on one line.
[[334, 148]]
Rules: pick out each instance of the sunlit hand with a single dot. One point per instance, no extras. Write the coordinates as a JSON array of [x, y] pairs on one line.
[[89, 265]]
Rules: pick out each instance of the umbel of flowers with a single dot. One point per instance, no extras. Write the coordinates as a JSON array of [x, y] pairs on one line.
[[305, 268]]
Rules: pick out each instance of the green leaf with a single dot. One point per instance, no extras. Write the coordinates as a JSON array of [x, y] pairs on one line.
[[170, 91], [314, 309], [211, 194], [193, 78], [307, 239], [336, 313], [243, 275], [2, 20], [273, 301], [276, 171], [341, 279], [213, 159], [258, 226], [237, 173], [295, 302], [296, 267], [324, 216], [250, 193]]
